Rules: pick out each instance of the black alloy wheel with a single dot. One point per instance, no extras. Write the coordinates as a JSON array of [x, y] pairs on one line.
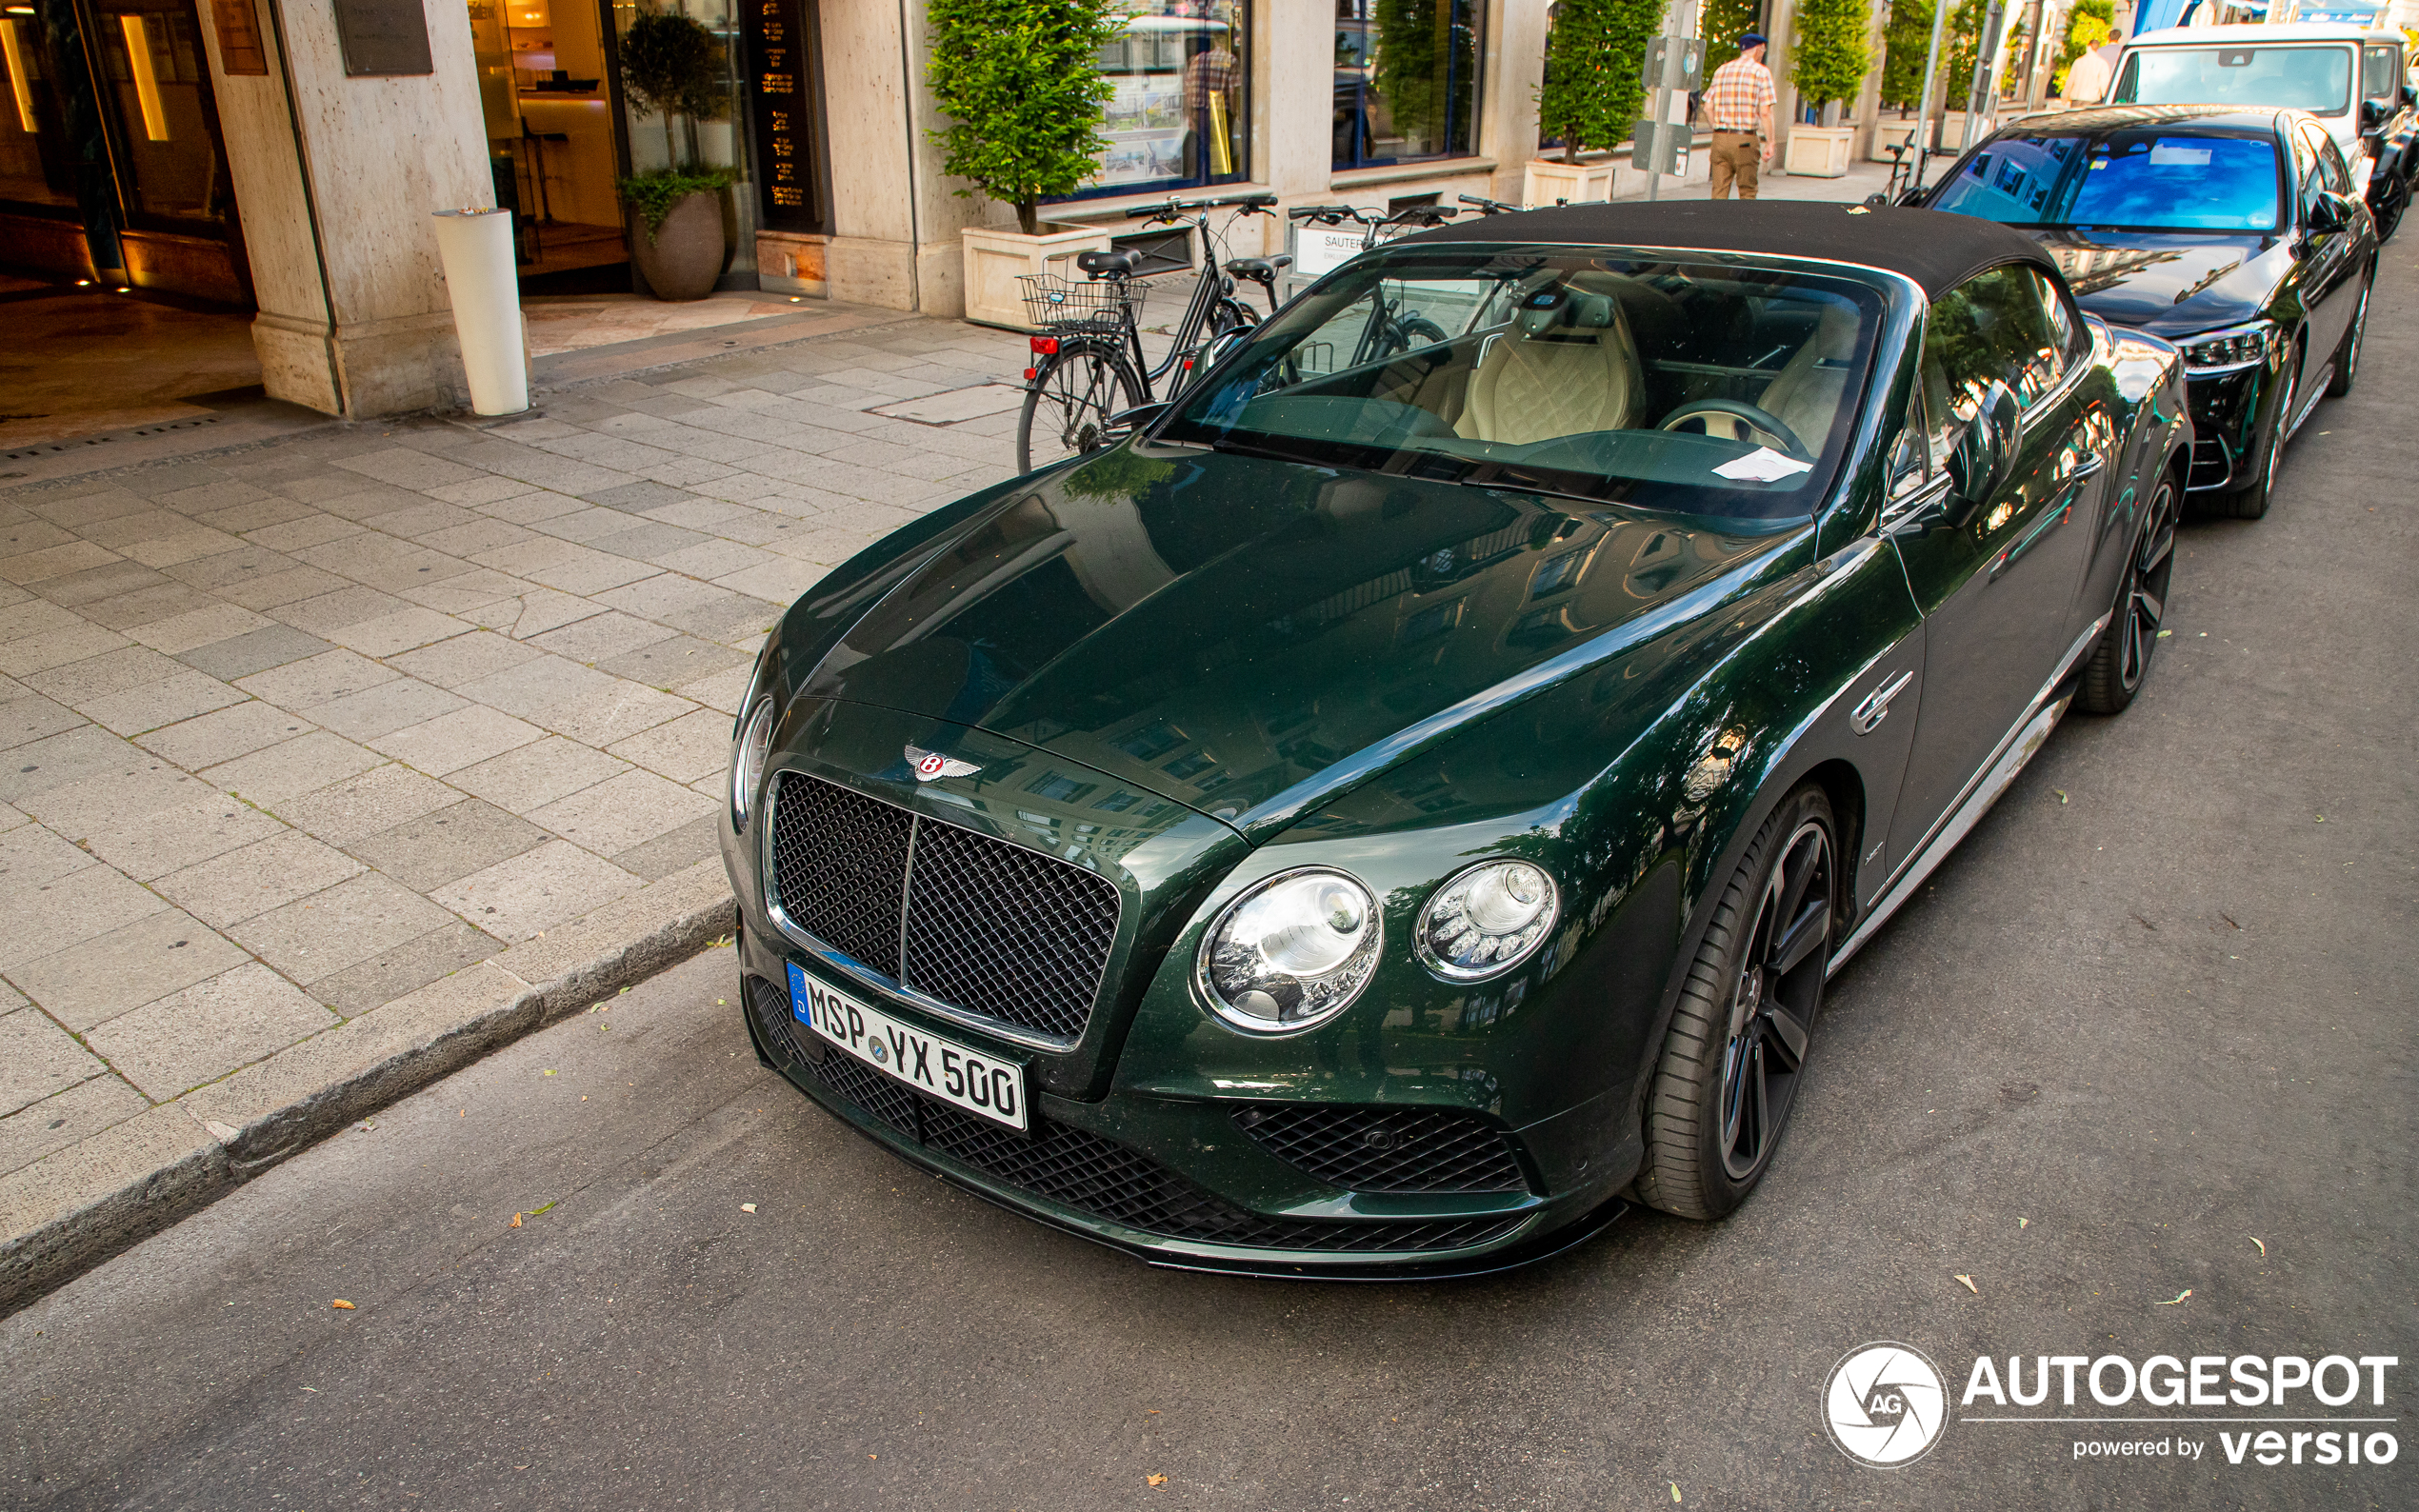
[[1737, 1047], [2122, 659], [2348, 358], [1068, 405]]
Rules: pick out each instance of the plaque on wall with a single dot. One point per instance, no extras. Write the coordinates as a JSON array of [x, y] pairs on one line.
[[384, 38], [781, 73], [239, 49]]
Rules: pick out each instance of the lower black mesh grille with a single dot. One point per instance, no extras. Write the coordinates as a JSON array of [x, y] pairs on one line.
[[838, 858], [770, 1006], [989, 926], [1081, 1170], [1006, 931], [2212, 464], [1389, 1150]]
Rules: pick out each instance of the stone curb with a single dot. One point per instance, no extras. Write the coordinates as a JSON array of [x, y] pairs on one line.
[[177, 1158]]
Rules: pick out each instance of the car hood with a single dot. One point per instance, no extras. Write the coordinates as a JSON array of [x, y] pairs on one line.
[[1219, 630], [2169, 284]]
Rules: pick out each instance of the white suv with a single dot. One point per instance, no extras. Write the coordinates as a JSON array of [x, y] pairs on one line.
[[2350, 77]]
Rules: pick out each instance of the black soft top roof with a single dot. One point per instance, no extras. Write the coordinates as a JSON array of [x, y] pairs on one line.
[[1937, 250]]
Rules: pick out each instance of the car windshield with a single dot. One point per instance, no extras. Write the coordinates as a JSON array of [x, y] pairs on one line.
[[1717, 389], [2317, 79], [2150, 179]]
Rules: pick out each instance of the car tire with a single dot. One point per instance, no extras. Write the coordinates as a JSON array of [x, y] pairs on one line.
[[1746, 1012], [2122, 659], [2347, 355], [2251, 501]]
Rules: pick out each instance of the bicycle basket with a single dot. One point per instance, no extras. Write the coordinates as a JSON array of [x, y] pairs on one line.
[[1099, 303]]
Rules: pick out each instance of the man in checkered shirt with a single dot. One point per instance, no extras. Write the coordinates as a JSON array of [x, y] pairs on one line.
[[1739, 100]]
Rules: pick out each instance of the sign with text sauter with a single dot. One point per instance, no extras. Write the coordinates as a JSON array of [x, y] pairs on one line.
[[780, 77]]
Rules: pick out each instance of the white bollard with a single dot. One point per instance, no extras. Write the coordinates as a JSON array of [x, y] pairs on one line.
[[479, 273]]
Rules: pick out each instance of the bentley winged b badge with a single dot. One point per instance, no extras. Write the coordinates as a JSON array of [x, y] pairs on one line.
[[931, 764]]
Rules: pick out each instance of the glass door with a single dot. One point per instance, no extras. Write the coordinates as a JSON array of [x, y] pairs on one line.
[[545, 90]]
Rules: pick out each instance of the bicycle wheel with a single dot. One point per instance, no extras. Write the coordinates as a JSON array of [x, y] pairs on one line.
[[1069, 403]]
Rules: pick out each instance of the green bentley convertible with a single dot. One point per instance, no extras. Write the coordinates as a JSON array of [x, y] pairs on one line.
[[1404, 800]]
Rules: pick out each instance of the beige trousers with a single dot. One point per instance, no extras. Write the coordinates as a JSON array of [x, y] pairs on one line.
[[1735, 155]]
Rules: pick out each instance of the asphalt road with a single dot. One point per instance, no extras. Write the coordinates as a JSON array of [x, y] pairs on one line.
[[2155, 1010]]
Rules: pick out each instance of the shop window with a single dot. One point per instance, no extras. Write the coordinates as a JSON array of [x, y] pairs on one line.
[[153, 76], [37, 166], [1179, 79], [1406, 80]]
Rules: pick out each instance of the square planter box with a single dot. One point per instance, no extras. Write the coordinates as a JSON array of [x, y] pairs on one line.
[[1543, 182], [1890, 133], [995, 258], [1819, 152]]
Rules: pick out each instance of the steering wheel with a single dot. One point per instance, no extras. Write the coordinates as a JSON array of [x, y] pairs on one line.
[[1741, 418]]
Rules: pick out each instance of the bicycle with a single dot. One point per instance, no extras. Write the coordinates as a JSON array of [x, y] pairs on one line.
[[1088, 364], [1389, 332]]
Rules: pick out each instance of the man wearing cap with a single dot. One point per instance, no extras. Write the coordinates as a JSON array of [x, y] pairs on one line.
[[1739, 100]]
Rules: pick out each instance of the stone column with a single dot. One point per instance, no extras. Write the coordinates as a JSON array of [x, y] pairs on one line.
[[1513, 70], [336, 177]]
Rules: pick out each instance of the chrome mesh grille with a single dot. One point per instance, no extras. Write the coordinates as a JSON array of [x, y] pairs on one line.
[[1389, 1150], [837, 858], [981, 924], [1006, 931]]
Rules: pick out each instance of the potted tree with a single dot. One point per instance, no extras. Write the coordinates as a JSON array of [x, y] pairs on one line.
[[674, 66], [1590, 97], [1827, 67], [1906, 42], [1021, 84]]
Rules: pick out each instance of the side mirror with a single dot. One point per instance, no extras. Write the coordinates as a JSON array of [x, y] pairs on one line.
[[1878, 199], [1986, 453], [1126, 422], [2326, 214], [2409, 95], [2372, 115]]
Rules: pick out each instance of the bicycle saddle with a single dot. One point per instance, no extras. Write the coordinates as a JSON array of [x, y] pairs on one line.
[[1259, 270], [1109, 264]]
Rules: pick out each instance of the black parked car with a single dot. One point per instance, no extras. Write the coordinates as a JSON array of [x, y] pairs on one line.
[[2236, 234]]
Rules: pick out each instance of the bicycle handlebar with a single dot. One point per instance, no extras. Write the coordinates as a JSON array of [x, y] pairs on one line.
[[1176, 210], [1490, 207]]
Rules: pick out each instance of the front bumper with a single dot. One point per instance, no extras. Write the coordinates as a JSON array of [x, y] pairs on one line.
[[2229, 412], [1173, 1182]]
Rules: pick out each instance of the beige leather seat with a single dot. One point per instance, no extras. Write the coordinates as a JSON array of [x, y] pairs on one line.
[[1561, 369], [1806, 395]]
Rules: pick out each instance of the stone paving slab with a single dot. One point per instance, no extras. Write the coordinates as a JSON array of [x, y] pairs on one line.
[[328, 762]]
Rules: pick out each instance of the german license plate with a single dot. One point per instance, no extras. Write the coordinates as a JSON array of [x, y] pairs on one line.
[[981, 1083]]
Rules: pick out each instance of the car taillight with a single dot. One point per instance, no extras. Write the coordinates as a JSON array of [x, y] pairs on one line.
[[1044, 345]]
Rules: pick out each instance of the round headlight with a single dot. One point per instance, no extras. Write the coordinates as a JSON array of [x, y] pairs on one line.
[[1487, 921], [1296, 948], [748, 761]]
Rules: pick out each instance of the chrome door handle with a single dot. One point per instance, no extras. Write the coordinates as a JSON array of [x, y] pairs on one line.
[[1876, 706]]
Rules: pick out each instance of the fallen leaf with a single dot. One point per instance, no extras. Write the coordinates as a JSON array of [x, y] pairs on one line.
[[2179, 1297], [1969, 1284], [2164, 634], [746, 1207], [2263, 1248], [2061, 792], [516, 1221], [549, 1073], [1675, 1490], [534, 1211], [313, 1390], [720, 1003], [2024, 1223], [1155, 1480], [341, 1302], [2322, 819]]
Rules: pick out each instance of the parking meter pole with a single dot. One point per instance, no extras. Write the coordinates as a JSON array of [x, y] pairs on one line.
[[1924, 138], [1673, 78]]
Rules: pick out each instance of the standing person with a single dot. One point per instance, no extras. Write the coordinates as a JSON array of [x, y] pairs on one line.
[[1739, 100]]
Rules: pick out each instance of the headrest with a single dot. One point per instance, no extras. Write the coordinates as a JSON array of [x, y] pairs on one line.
[[1559, 308]]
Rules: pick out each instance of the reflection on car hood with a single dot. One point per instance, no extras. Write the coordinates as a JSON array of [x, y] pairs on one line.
[[2169, 284], [1216, 629]]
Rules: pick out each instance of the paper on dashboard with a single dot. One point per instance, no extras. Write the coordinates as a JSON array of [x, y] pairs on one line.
[[1763, 464]]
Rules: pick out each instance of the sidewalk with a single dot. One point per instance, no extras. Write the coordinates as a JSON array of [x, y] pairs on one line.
[[333, 761], [330, 762]]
